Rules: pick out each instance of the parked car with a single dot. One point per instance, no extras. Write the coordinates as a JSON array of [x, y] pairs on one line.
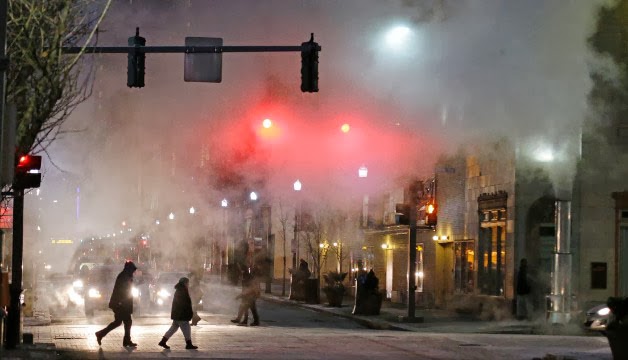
[[597, 317], [99, 286], [162, 289]]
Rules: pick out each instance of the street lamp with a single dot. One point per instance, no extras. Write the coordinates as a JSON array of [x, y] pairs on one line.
[[225, 204], [253, 196], [297, 187], [171, 216], [192, 210], [322, 250], [397, 36], [363, 171]]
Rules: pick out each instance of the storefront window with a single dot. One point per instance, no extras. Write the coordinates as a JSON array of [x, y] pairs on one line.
[[465, 258], [491, 258]]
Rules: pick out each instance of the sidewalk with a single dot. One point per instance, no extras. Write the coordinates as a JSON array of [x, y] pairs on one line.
[[392, 317]]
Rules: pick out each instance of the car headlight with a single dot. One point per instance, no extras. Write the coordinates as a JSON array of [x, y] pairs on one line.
[[77, 284], [93, 293], [163, 293], [135, 292], [604, 311]]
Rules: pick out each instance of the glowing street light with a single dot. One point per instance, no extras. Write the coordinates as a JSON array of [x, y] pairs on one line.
[[363, 171], [224, 203], [253, 196], [397, 36], [267, 123], [345, 128], [192, 210], [297, 185], [171, 216]]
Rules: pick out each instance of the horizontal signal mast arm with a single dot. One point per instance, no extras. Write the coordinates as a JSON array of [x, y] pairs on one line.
[[179, 49]]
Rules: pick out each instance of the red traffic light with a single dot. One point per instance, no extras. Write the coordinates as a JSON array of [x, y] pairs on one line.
[[26, 163], [26, 172]]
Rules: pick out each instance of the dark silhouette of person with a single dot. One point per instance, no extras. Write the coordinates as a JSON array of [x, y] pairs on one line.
[[299, 277], [248, 297], [181, 314], [368, 298], [371, 283], [523, 291], [121, 303]]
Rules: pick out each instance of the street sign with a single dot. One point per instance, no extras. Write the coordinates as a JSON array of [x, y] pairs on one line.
[[203, 67]]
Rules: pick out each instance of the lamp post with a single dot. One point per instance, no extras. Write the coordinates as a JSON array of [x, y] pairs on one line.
[[224, 204], [363, 173], [322, 250], [295, 257]]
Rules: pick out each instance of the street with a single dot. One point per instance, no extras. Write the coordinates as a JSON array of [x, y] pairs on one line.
[[292, 332]]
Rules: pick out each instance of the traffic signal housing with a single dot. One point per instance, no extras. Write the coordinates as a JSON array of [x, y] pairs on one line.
[[27, 172], [431, 214], [309, 65], [137, 61]]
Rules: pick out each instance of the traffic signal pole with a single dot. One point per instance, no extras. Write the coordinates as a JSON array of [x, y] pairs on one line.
[[412, 219], [14, 313]]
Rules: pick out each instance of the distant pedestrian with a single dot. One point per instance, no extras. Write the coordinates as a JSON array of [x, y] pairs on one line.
[[196, 294], [523, 291], [121, 303], [181, 314], [248, 297]]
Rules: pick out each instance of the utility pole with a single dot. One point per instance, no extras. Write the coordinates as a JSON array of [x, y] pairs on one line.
[[412, 218], [13, 318]]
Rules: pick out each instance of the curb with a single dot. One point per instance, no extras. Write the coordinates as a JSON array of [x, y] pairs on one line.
[[369, 323]]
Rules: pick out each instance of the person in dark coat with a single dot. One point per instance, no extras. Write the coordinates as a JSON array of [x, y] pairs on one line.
[[181, 314], [524, 289], [121, 303]]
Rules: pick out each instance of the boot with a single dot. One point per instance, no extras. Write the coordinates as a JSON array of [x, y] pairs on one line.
[[99, 338], [162, 343], [128, 343], [189, 346]]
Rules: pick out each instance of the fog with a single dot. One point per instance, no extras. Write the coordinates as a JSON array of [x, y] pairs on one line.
[[468, 69]]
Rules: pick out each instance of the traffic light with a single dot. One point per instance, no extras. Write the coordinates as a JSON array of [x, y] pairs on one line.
[[309, 65], [27, 172], [137, 60], [431, 214]]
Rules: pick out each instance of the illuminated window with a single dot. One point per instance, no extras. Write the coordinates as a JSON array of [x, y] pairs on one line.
[[491, 251], [463, 272]]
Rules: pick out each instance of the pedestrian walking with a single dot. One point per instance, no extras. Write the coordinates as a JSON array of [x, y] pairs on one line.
[[196, 294], [181, 314], [523, 291], [121, 303], [248, 297]]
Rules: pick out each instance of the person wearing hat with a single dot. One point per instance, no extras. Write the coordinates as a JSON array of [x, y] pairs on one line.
[[181, 314], [121, 303]]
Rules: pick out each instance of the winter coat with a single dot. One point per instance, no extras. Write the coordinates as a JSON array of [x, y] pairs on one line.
[[181, 304], [122, 296]]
